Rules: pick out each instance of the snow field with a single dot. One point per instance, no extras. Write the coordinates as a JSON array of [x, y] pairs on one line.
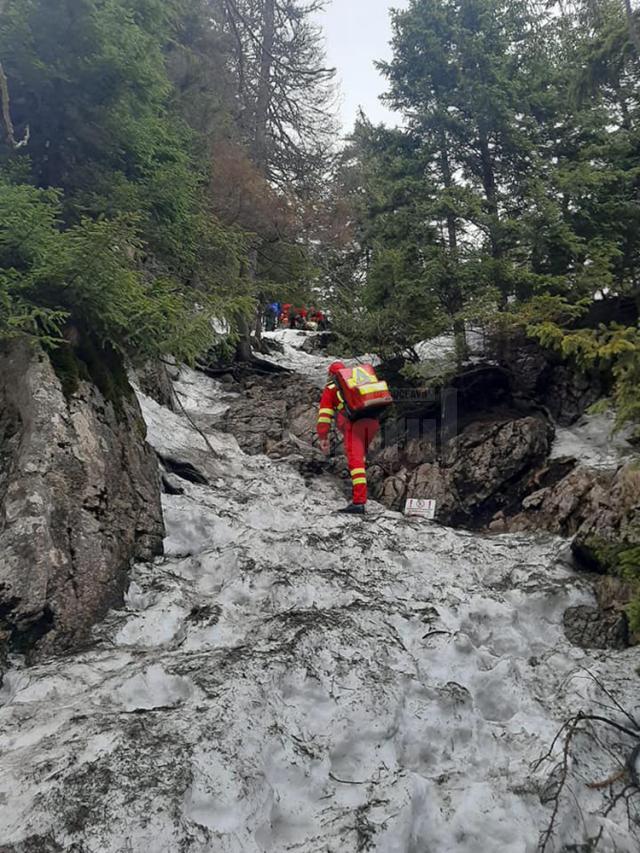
[[288, 680]]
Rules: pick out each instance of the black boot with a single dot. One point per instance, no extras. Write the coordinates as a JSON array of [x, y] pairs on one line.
[[352, 509]]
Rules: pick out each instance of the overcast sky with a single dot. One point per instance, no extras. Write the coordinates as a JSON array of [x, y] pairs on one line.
[[357, 33]]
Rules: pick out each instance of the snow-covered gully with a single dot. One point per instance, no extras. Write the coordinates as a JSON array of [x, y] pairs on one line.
[[288, 680]]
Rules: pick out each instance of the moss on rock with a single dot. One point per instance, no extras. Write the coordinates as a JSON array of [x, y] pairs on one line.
[[620, 559], [81, 359]]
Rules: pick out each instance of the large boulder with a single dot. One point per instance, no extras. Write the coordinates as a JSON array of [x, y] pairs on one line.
[[589, 504], [601, 511], [79, 499], [392, 468], [478, 472], [564, 506], [596, 627], [537, 374]]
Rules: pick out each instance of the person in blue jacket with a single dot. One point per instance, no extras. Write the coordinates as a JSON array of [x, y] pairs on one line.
[[273, 316]]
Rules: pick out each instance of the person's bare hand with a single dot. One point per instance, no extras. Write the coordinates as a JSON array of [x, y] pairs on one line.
[[323, 444]]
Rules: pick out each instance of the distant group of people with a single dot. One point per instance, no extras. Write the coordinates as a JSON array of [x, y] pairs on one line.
[[287, 316]]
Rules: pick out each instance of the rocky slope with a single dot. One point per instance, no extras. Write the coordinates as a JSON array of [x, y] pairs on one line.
[[502, 463], [288, 680], [486, 449], [79, 499]]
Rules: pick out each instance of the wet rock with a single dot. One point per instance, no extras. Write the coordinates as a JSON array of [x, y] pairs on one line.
[[79, 499], [272, 407], [568, 393], [601, 511], [539, 374], [594, 628], [614, 511], [600, 508], [614, 594], [317, 343], [478, 472], [391, 469], [487, 453], [566, 505], [419, 451], [155, 379], [302, 418], [617, 560], [389, 489], [183, 469]]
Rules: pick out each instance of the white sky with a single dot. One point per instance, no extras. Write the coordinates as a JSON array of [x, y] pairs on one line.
[[357, 33]]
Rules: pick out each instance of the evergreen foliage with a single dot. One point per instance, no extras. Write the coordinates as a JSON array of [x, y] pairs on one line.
[[510, 196], [168, 163], [112, 220]]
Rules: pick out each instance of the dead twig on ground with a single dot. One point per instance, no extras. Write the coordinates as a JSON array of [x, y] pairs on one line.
[[569, 729]]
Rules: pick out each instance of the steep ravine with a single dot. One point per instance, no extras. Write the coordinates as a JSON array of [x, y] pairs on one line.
[[287, 680]]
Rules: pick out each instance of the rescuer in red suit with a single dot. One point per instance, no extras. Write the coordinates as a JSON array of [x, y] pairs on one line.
[[284, 317], [358, 436]]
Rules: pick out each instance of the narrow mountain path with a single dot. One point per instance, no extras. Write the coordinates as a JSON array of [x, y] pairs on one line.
[[288, 680]]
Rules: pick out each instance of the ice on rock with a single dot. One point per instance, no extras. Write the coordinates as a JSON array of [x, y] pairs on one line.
[[312, 366], [594, 441], [288, 680]]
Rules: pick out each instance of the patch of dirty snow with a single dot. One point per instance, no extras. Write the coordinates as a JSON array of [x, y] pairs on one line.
[[314, 366], [286, 679], [593, 441]]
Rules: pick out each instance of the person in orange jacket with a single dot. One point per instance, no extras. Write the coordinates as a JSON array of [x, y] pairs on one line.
[[358, 436]]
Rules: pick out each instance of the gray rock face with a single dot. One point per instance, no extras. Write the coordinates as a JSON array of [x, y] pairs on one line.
[[601, 511], [79, 498], [541, 375], [595, 628], [155, 379], [477, 472], [586, 502], [269, 408]]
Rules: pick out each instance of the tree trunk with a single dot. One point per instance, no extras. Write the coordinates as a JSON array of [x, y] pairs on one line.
[[455, 300], [6, 111], [634, 35], [243, 347], [448, 184], [258, 320], [489, 184], [263, 100], [260, 156]]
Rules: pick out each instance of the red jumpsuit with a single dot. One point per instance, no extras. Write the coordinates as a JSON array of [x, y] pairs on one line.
[[284, 317], [358, 436]]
